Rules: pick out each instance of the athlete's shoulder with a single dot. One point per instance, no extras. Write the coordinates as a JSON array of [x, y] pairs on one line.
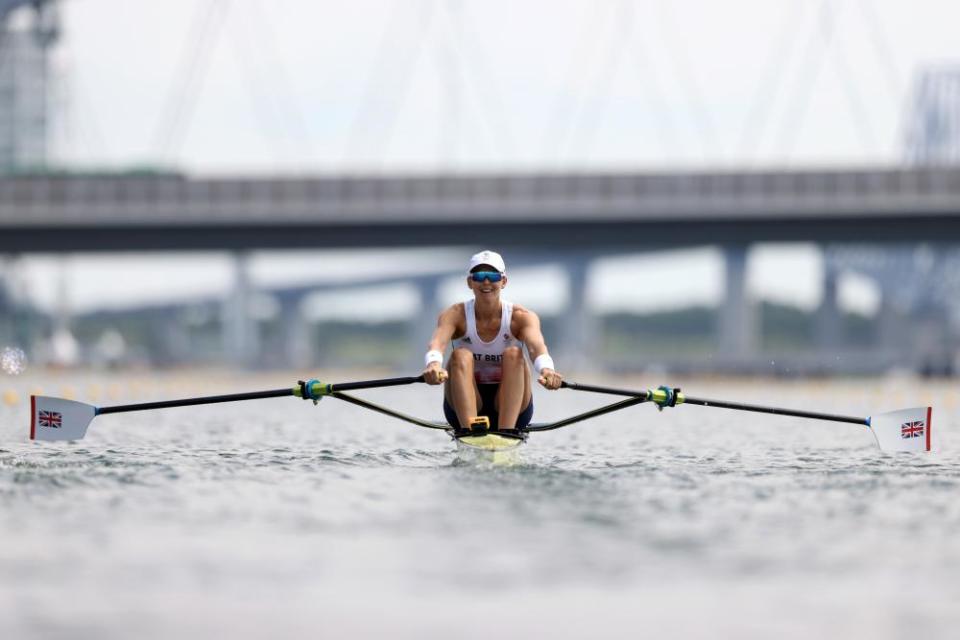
[[456, 307], [522, 317], [454, 317], [454, 311], [520, 311]]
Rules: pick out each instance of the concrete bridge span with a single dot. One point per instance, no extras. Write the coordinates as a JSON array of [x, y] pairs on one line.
[[615, 210]]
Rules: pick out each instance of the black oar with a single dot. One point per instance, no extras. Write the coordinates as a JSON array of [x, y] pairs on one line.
[[62, 419], [664, 392], [903, 430]]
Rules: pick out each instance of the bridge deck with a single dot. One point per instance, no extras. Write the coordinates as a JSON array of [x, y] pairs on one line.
[[169, 211]]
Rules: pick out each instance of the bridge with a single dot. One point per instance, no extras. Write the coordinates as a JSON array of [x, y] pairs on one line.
[[586, 215], [606, 211]]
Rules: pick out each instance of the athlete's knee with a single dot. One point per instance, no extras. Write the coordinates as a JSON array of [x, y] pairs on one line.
[[513, 357], [462, 359]]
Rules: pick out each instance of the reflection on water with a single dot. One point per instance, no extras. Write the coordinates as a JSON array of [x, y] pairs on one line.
[[284, 518]]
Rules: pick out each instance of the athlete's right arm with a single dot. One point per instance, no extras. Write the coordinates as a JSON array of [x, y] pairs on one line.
[[434, 373]]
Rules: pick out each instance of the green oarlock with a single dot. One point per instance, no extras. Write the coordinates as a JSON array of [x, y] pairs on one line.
[[665, 397], [312, 390]]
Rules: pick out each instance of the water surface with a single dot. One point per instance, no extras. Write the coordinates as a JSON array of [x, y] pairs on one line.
[[283, 518]]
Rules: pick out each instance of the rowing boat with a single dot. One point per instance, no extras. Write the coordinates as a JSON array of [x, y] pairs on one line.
[[497, 448], [904, 430], [478, 442]]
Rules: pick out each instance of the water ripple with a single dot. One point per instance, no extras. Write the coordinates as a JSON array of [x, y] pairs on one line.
[[163, 508]]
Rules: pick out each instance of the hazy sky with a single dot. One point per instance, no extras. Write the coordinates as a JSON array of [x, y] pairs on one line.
[[287, 85], [788, 274]]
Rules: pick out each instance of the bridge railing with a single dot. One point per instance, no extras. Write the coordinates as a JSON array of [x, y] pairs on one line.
[[91, 199]]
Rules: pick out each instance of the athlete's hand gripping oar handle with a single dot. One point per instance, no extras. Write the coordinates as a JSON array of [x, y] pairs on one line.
[[903, 430]]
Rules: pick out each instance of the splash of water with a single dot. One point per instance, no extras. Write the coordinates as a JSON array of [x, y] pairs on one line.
[[13, 361]]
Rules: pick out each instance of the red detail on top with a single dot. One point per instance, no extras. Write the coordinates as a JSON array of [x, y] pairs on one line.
[[33, 417], [929, 426]]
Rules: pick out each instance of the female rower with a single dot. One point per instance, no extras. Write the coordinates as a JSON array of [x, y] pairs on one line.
[[488, 374]]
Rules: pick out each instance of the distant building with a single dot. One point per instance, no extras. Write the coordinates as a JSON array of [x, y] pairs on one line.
[[28, 28]]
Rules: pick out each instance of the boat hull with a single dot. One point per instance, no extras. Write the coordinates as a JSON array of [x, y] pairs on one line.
[[489, 447]]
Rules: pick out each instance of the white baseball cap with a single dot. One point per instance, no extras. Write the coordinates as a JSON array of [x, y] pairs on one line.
[[491, 258]]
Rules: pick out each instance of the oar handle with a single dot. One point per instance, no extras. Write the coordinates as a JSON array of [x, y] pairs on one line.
[[576, 386], [373, 384]]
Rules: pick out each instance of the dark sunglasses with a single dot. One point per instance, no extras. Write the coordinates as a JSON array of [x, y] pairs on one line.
[[492, 276]]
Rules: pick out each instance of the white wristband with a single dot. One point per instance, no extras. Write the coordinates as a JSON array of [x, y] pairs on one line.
[[543, 361], [431, 357]]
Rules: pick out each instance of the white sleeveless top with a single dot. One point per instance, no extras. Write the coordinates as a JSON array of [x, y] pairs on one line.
[[487, 356]]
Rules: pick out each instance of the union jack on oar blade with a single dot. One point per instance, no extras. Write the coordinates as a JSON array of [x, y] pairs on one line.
[[59, 419], [905, 430], [50, 419]]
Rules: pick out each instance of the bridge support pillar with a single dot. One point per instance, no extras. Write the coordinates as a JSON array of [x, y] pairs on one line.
[[424, 321], [176, 338], [24, 330], [829, 321], [579, 328], [299, 341], [8, 310], [737, 323], [892, 330], [16, 327], [241, 333]]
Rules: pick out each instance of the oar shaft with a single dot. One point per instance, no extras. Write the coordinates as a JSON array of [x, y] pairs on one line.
[[257, 395], [723, 404], [188, 402], [774, 410]]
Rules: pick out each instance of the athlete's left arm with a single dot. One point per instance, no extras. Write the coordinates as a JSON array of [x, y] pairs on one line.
[[527, 329]]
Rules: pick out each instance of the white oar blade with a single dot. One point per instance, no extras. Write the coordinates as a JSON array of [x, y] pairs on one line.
[[904, 430], [58, 419]]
